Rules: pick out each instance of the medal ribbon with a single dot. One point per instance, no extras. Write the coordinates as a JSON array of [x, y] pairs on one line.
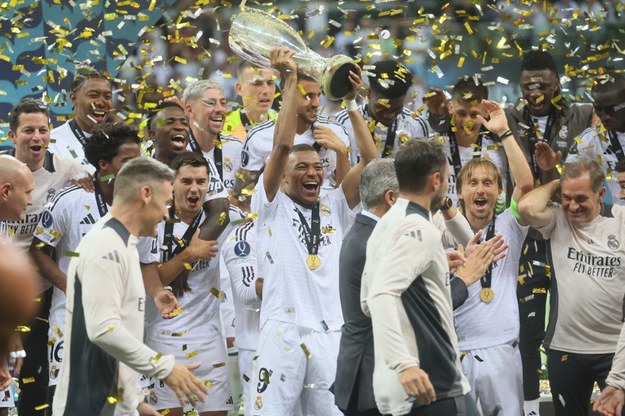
[[486, 280], [218, 154], [533, 139], [168, 238], [616, 146], [99, 197], [455, 151], [80, 135], [312, 233], [390, 135]]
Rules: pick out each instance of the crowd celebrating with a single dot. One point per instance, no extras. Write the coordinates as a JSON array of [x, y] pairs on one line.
[[273, 261]]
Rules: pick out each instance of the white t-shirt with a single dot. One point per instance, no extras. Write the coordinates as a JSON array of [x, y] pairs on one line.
[[292, 292], [594, 143], [588, 282], [489, 149], [65, 143], [239, 255], [484, 325], [409, 126], [56, 173], [259, 144]]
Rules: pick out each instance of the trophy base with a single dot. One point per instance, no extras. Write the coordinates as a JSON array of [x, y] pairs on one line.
[[336, 83]]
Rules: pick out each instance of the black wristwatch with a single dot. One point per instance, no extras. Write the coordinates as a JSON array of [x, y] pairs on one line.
[[447, 203]]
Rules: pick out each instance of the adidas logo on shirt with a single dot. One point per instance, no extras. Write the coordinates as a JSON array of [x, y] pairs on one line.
[[112, 256], [88, 220]]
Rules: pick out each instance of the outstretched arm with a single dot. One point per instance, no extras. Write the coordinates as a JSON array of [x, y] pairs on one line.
[[286, 124], [533, 206]]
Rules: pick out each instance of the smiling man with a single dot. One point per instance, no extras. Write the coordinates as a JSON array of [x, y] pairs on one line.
[[588, 281], [300, 230], [168, 129], [91, 93]]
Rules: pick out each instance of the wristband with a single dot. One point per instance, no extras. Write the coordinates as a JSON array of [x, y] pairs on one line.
[[351, 105], [171, 289], [505, 135]]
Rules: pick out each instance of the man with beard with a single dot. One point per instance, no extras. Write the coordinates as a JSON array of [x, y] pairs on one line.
[[91, 93]]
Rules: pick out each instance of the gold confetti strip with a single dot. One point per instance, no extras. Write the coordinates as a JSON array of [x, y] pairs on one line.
[[192, 354], [218, 365], [22, 328], [179, 334], [306, 351], [42, 406], [216, 292], [71, 254], [28, 380]]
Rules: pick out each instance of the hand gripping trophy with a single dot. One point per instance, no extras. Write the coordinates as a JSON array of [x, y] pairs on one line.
[[255, 33]]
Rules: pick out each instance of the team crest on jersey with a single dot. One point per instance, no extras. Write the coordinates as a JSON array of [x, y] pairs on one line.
[[325, 210], [153, 399], [51, 193], [613, 243], [242, 249], [258, 403], [227, 164]]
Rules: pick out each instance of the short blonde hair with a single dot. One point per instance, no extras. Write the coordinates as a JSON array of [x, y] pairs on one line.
[[469, 168]]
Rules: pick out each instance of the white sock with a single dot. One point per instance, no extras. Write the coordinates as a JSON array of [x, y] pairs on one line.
[[531, 407]]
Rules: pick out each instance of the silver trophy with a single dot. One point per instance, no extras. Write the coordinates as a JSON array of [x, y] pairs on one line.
[[255, 33]]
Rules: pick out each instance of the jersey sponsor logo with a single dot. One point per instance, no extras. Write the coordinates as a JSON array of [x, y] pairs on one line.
[[242, 249], [88, 220], [46, 218], [324, 239], [605, 267]]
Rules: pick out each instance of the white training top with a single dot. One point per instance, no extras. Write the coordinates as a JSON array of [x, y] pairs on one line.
[[259, 144], [105, 318], [484, 325], [406, 291], [587, 281], [292, 292], [409, 126]]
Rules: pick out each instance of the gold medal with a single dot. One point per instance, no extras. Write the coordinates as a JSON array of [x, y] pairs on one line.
[[313, 261], [487, 294]]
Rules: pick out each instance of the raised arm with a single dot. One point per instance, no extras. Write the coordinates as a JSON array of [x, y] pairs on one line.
[[286, 124], [533, 206], [364, 140], [519, 168]]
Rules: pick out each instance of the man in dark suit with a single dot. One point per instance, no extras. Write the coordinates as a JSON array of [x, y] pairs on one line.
[[352, 388]]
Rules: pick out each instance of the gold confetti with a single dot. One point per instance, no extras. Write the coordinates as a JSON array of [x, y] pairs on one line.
[[42, 406], [192, 354], [306, 352], [28, 380]]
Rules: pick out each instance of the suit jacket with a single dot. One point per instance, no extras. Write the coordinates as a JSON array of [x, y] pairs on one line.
[[354, 370]]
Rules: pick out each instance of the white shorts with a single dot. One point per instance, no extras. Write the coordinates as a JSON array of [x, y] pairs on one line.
[[496, 378], [293, 368], [213, 370], [245, 371]]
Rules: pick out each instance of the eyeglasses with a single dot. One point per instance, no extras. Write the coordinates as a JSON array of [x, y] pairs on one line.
[[608, 109]]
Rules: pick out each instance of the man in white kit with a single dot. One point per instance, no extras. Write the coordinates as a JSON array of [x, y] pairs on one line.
[[300, 236]]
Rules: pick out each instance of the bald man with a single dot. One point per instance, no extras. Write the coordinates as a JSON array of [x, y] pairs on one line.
[[16, 186], [18, 282]]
